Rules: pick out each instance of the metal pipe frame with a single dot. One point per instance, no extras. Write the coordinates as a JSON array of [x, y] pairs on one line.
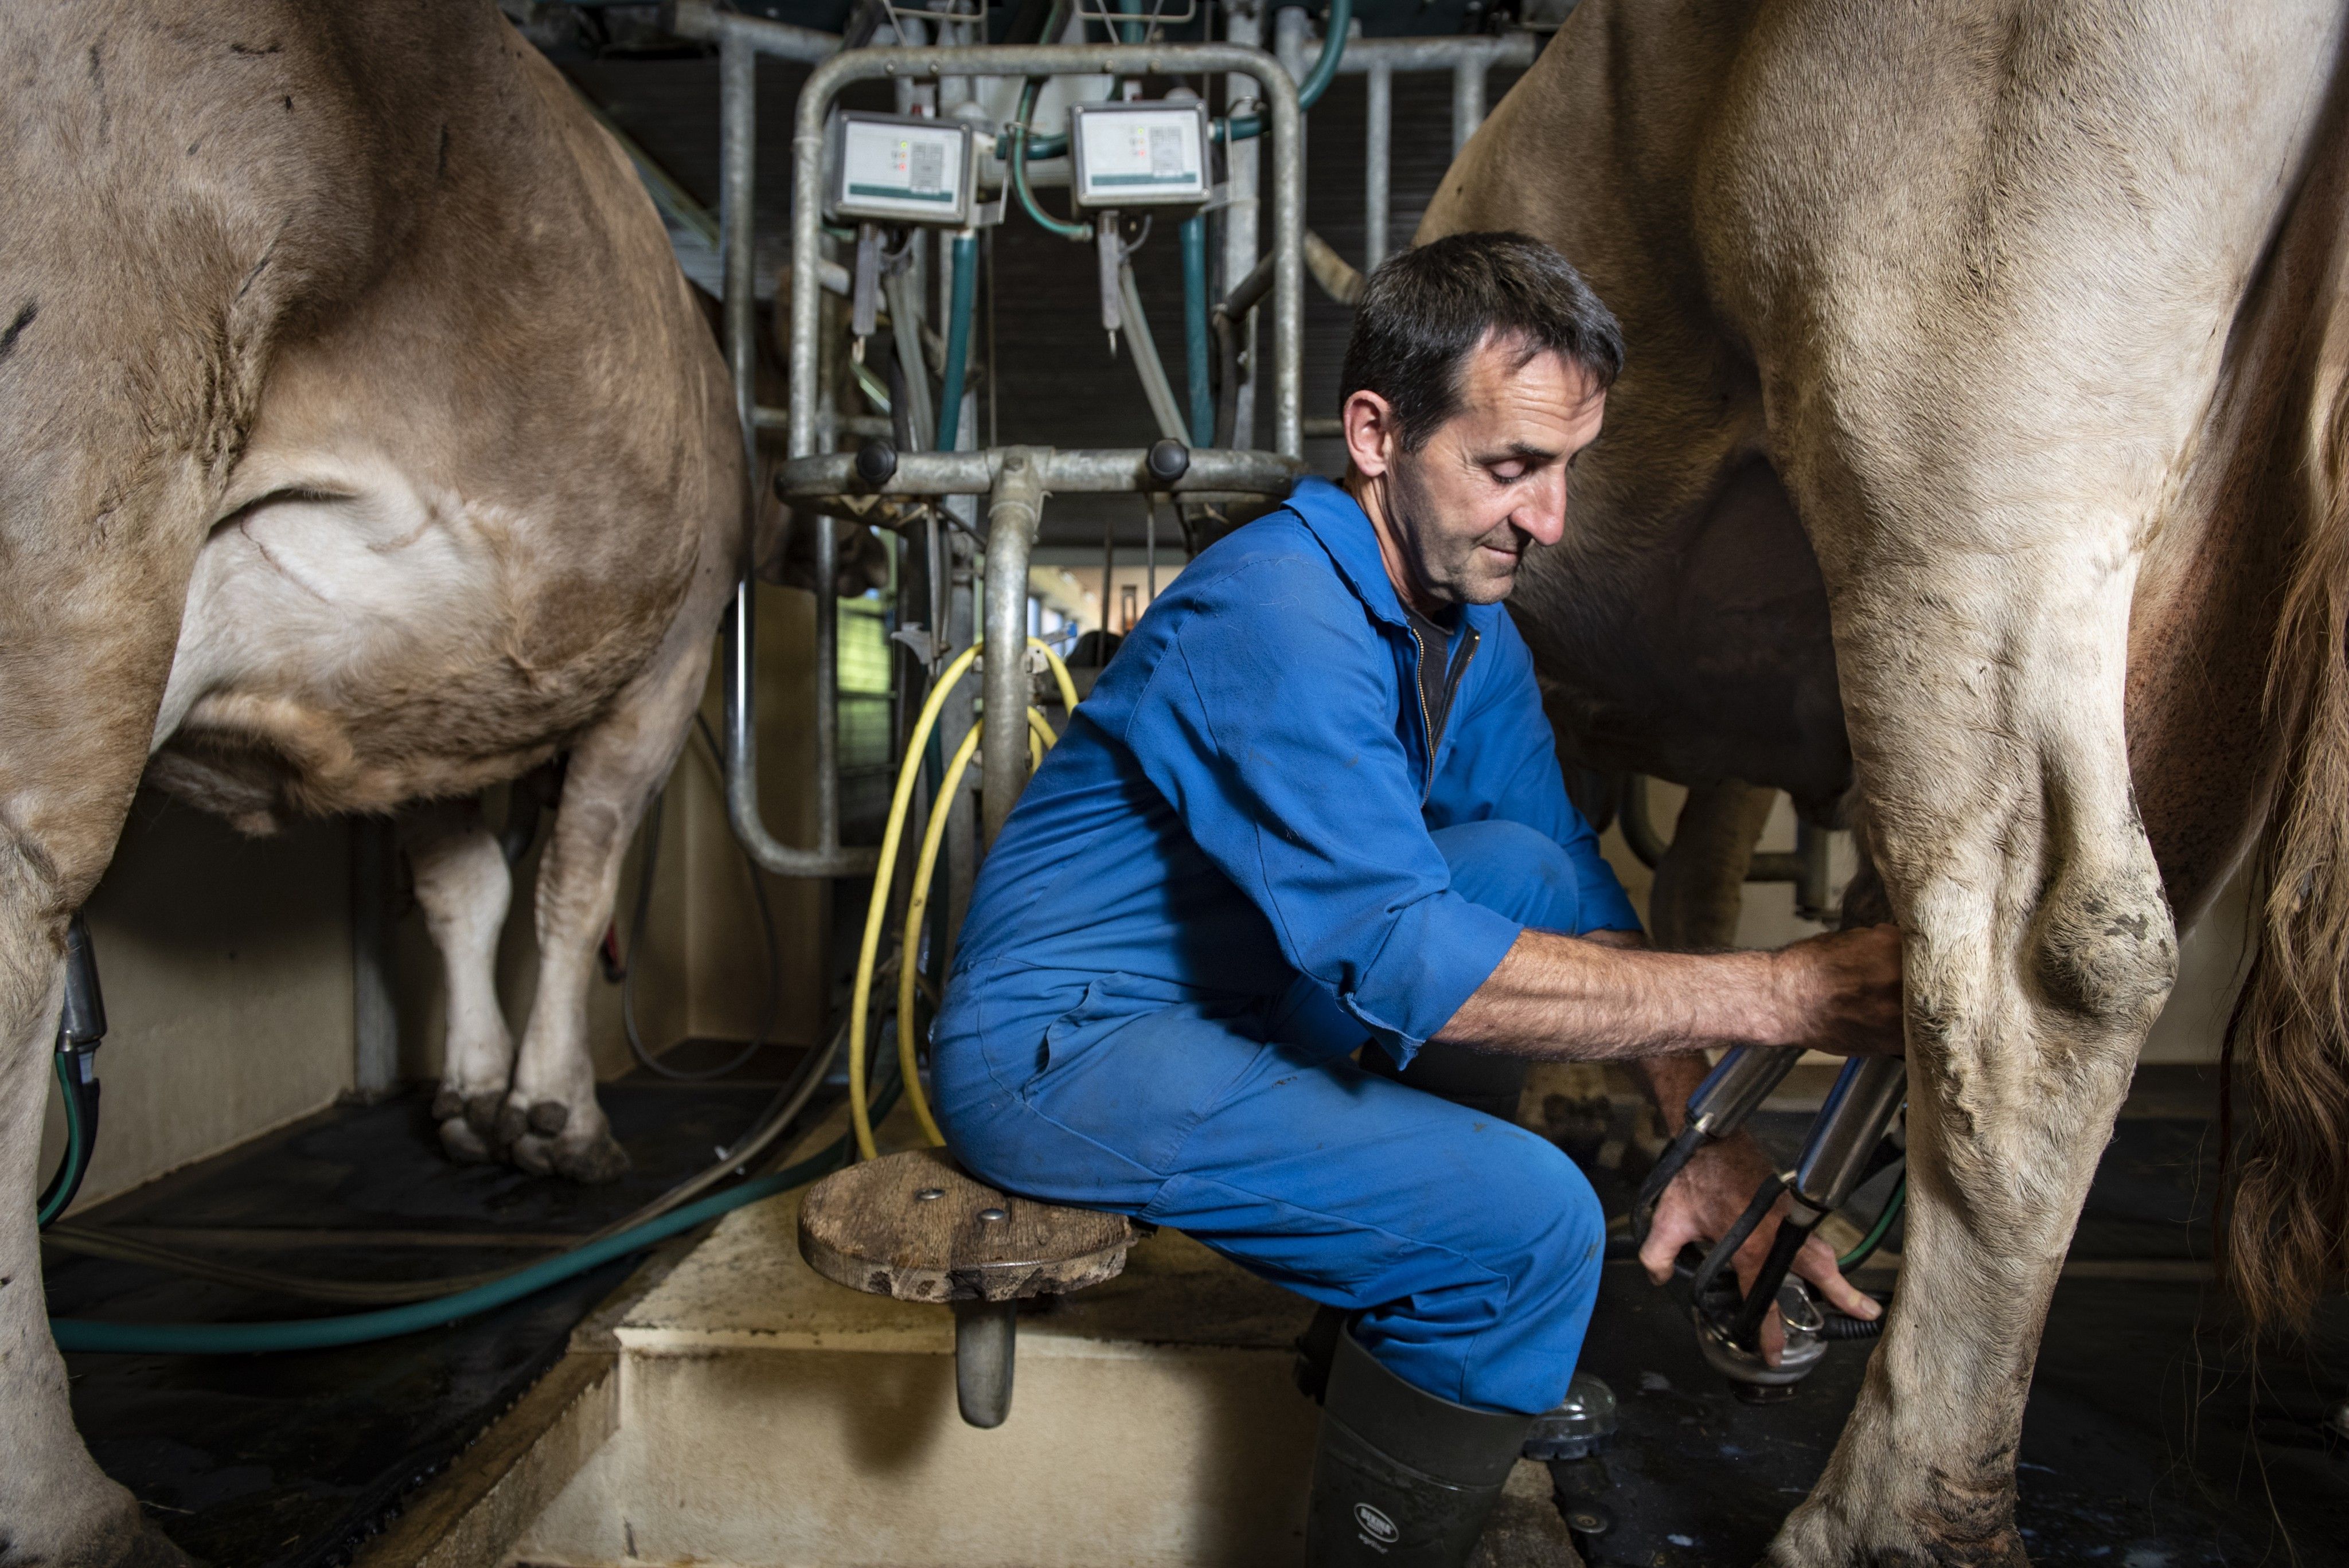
[[1378, 162], [1468, 61], [738, 90], [1364, 55], [1014, 505], [741, 39], [701, 19], [1100, 471]]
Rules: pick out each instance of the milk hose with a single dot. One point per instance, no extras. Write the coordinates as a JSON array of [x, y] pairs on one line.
[[876, 914], [81, 1135]]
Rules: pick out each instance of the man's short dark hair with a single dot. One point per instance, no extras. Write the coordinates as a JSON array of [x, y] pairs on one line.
[[1424, 312]]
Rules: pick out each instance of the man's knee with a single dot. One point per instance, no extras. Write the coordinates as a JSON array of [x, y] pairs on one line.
[[1544, 1231], [1513, 870], [1511, 1335]]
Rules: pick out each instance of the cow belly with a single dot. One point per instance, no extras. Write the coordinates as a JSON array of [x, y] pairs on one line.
[[367, 640]]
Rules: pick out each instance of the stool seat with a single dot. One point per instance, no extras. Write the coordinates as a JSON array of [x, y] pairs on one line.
[[915, 1227]]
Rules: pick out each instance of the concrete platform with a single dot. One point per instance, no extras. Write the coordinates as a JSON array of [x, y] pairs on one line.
[[769, 1419]]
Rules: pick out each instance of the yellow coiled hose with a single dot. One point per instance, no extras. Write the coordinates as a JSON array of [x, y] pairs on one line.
[[1040, 740]]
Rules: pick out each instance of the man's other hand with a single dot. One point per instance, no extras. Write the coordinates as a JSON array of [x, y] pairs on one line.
[[1842, 992], [1707, 1198]]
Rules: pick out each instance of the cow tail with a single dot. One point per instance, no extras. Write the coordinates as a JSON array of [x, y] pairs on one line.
[[2283, 1222]]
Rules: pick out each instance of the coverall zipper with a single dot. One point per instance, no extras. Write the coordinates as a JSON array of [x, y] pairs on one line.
[[1452, 679]]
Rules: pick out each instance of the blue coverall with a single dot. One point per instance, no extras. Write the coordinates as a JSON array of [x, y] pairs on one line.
[[1239, 866]]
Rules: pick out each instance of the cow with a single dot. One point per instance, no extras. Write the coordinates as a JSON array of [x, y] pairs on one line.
[[361, 445], [1980, 471]]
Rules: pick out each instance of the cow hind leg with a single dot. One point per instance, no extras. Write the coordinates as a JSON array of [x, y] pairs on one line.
[[550, 1118], [84, 673], [463, 888]]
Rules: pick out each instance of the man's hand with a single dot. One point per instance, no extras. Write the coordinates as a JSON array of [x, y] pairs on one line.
[[1842, 992], [1707, 1198]]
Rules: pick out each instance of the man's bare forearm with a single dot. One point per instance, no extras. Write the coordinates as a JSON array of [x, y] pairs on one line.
[[1561, 997], [1566, 997]]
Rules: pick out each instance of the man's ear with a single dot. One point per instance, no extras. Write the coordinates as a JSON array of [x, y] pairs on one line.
[[1373, 437]]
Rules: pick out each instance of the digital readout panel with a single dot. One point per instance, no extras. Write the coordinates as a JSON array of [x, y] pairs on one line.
[[1140, 154], [892, 168]]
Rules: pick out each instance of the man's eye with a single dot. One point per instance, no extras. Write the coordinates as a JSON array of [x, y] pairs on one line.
[[1508, 473]]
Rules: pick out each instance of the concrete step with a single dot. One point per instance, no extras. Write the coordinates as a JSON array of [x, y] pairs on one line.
[[769, 1419]]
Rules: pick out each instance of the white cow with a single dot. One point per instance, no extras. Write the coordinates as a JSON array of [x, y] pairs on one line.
[[1984, 446], [360, 444]]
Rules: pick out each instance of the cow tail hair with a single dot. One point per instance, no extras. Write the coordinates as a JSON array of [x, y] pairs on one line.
[[2282, 1230]]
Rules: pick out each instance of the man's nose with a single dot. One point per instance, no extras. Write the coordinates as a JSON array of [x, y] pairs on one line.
[[1542, 515]]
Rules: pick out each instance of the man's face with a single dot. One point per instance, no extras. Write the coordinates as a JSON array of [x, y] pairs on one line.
[[1454, 517]]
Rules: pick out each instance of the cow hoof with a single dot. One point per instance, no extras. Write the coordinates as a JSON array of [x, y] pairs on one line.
[[590, 1161], [447, 1105], [549, 1116], [484, 1111], [513, 1123], [532, 1153], [462, 1141]]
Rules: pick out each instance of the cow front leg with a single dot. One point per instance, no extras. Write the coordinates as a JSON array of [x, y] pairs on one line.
[[1984, 692], [550, 1118], [463, 888]]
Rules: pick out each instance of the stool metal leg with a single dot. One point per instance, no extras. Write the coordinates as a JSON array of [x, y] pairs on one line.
[[986, 1337]]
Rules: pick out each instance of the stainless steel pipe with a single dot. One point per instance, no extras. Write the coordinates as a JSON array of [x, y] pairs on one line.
[[738, 112], [1364, 55], [1099, 471], [1377, 161], [703, 20], [1013, 507]]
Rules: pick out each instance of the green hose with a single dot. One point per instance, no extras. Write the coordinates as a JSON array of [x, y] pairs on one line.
[[359, 1328], [1875, 1237], [1198, 348], [1020, 150], [68, 1177], [958, 312], [1336, 25]]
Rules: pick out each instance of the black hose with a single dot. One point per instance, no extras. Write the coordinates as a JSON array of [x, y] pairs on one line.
[[1668, 1164], [1840, 1326], [1746, 1332], [1726, 1248], [78, 1080]]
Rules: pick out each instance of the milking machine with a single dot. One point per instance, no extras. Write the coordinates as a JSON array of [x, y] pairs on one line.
[[1855, 1136]]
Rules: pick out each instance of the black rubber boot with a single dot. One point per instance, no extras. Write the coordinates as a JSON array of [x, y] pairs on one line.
[[1316, 1347], [1403, 1479]]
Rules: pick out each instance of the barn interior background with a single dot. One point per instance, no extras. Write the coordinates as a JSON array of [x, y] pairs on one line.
[[276, 998]]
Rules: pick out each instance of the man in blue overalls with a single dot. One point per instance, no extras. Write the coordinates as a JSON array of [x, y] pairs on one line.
[[1312, 810]]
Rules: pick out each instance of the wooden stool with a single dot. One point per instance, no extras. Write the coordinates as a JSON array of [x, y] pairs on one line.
[[913, 1226]]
